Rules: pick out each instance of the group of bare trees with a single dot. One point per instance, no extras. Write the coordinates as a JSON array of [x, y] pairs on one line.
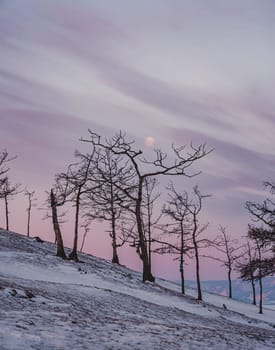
[[8, 190], [228, 252], [182, 213], [259, 261], [115, 182]]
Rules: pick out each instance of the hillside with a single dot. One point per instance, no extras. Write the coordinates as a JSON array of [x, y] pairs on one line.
[[48, 303]]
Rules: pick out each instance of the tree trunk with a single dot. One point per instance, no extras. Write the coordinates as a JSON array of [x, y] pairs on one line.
[[149, 244], [58, 237], [83, 241], [260, 278], [182, 261], [198, 273], [182, 277], [147, 275], [149, 233], [7, 213], [229, 283], [197, 261], [73, 254], [253, 291], [261, 294], [115, 258], [29, 219]]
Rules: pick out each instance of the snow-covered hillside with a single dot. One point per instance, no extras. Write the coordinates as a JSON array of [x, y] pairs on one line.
[[47, 303]]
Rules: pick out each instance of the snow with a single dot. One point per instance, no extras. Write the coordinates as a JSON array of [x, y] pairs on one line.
[[48, 303], [231, 304], [271, 307]]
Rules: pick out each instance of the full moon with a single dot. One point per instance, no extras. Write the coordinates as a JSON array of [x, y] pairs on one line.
[[149, 141]]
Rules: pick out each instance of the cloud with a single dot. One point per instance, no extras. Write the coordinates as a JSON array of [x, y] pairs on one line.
[[175, 70], [230, 168], [44, 142]]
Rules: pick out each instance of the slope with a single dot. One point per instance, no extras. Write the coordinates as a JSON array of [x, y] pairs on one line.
[[48, 303]]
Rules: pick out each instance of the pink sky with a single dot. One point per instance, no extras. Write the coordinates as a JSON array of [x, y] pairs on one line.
[[173, 70]]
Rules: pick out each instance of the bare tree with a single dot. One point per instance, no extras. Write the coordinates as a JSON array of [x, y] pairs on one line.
[[3, 167], [109, 202], [262, 263], [259, 247], [251, 257], [4, 180], [7, 192], [256, 267], [86, 227], [230, 252], [184, 212], [31, 199], [54, 203], [176, 210], [264, 213], [245, 262], [77, 178], [4, 160], [193, 207], [119, 145], [150, 221], [57, 197]]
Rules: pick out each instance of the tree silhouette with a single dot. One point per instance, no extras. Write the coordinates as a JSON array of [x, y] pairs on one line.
[[179, 227], [244, 263], [159, 166], [264, 214], [7, 192], [86, 228], [4, 160], [193, 208], [57, 199], [31, 199], [150, 220], [255, 268], [78, 182], [5, 187], [109, 202], [230, 253]]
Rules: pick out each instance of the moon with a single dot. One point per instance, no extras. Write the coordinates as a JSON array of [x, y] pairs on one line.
[[149, 141]]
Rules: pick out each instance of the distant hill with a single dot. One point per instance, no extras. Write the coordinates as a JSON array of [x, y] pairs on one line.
[[241, 290]]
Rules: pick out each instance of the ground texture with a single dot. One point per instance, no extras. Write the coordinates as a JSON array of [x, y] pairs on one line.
[[47, 303]]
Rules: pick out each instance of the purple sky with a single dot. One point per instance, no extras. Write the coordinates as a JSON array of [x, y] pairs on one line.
[[175, 70]]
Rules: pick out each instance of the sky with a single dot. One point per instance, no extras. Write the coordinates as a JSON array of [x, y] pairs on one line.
[[163, 71]]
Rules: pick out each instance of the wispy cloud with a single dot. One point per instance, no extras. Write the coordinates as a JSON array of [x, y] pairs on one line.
[[173, 70]]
